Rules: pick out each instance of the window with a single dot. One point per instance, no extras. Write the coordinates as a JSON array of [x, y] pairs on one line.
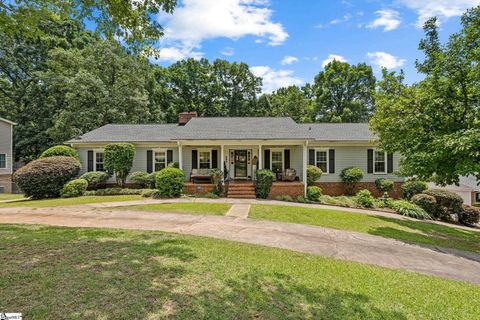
[[277, 161], [160, 160], [99, 157], [3, 161], [321, 160], [379, 162], [204, 159]]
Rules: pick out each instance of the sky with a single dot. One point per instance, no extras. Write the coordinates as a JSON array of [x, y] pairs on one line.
[[288, 42]]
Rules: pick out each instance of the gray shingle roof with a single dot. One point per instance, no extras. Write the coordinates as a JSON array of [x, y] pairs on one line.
[[245, 128]]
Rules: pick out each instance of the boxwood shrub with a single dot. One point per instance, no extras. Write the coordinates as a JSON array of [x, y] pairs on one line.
[[265, 180], [313, 174], [74, 188], [447, 203], [60, 150], [169, 182], [95, 179], [351, 176], [413, 187], [44, 178], [143, 179], [384, 186], [425, 201], [314, 193]]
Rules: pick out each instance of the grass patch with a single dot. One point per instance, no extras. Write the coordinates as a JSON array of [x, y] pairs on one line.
[[96, 273], [409, 231], [69, 201], [217, 209], [10, 196]]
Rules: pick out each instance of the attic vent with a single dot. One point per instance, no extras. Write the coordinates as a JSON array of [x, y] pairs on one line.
[[184, 117]]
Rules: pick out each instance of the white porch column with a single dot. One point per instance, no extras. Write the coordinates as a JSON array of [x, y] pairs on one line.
[[222, 159], [304, 169], [260, 156], [180, 156]]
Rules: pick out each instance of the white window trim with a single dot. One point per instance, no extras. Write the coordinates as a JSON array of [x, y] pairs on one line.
[[385, 160], [153, 157], [95, 159], [282, 150], [198, 156], [6, 161], [328, 158]]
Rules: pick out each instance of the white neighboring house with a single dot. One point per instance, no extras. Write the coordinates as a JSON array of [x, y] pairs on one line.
[[467, 189], [6, 155]]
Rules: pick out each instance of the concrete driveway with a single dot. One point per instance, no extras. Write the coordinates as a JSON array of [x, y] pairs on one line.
[[345, 245]]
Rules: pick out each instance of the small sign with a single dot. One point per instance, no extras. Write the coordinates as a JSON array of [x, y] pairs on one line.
[[10, 316]]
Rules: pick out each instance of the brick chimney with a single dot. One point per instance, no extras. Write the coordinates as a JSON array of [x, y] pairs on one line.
[[184, 117]]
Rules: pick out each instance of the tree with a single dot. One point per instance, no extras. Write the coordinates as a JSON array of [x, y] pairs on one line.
[[435, 124], [288, 102], [344, 93], [119, 159]]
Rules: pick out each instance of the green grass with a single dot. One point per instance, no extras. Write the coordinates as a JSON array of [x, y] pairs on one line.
[[217, 209], [69, 201], [72, 273], [10, 196], [409, 231]]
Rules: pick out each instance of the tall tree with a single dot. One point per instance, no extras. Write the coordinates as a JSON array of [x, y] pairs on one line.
[[435, 124], [344, 93], [288, 102]]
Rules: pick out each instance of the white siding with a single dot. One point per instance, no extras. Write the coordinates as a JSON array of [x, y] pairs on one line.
[[6, 145]]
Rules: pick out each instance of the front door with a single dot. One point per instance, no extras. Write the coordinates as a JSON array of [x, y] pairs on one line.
[[240, 163]]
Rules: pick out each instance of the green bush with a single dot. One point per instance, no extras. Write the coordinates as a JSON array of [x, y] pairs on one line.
[[313, 174], [408, 209], [59, 151], [44, 178], [208, 195], [447, 203], [425, 201], [170, 182], [384, 186], [413, 187], [147, 193], [74, 188], [469, 216], [143, 179], [283, 198], [342, 201], [119, 159], [314, 193], [364, 199], [301, 199], [95, 179], [265, 180], [217, 179], [351, 176], [173, 165], [116, 192]]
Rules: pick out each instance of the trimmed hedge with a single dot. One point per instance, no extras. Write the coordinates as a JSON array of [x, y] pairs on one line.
[[313, 174], [119, 159], [469, 216], [364, 199], [447, 203], [351, 176], [95, 178], [265, 180], [143, 179], [74, 188], [413, 187], [314, 193], [425, 201], [169, 182], [59, 151], [44, 178], [384, 185]]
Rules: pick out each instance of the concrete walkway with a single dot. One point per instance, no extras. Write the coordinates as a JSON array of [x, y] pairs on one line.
[[345, 245], [239, 211]]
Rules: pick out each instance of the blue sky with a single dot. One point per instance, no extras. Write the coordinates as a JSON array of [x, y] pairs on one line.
[[288, 42]]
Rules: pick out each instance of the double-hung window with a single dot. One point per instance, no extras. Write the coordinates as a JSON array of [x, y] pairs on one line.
[[379, 162], [99, 159], [321, 160], [3, 161], [160, 160], [277, 160], [204, 159]]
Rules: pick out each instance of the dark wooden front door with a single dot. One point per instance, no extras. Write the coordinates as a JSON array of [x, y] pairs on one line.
[[240, 163]]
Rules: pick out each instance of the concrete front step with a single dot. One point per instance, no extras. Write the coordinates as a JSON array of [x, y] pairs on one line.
[[241, 196]]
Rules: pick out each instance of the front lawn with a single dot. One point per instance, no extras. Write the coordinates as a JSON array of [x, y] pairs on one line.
[[217, 209], [405, 230], [10, 196], [50, 272], [69, 201]]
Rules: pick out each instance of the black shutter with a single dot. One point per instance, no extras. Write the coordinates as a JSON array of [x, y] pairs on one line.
[[370, 161], [90, 160], [169, 156], [390, 162], [311, 157], [266, 158], [286, 155], [214, 159], [149, 161], [331, 161], [194, 159]]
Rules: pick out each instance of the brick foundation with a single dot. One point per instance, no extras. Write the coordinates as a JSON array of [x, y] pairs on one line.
[[197, 188], [338, 188], [292, 189], [6, 183]]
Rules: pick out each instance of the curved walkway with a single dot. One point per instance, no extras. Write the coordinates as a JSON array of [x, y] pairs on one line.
[[309, 239]]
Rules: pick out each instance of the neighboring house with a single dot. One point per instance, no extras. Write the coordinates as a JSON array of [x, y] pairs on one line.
[[239, 146], [6, 155], [467, 188]]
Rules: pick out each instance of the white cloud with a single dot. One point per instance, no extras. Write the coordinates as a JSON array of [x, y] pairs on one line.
[[288, 60], [387, 19], [274, 79], [385, 60], [228, 51], [332, 57], [343, 19], [443, 9], [172, 54]]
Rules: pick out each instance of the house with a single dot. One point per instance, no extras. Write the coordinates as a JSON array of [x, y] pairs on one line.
[[240, 145], [467, 188], [6, 155]]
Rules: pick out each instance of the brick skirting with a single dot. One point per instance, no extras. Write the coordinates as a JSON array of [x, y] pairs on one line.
[[338, 188], [292, 189], [197, 188], [6, 182]]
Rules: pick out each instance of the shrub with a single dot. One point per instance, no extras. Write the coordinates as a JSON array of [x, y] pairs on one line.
[[116, 192], [44, 178], [384, 186], [59, 151], [143, 179], [364, 199], [351, 176], [147, 193], [265, 180], [119, 159], [313, 174], [169, 182], [469, 215], [74, 188], [301, 199], [425, 201], [314, 193], [217, 175], [208, 195], [173, 165], [342, 201], [408, 209], [447, 203], [284, 198], [95, 178], [413, 187]]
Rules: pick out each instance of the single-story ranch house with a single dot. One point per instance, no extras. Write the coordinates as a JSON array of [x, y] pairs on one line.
[[239, 146], [6, 155]]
